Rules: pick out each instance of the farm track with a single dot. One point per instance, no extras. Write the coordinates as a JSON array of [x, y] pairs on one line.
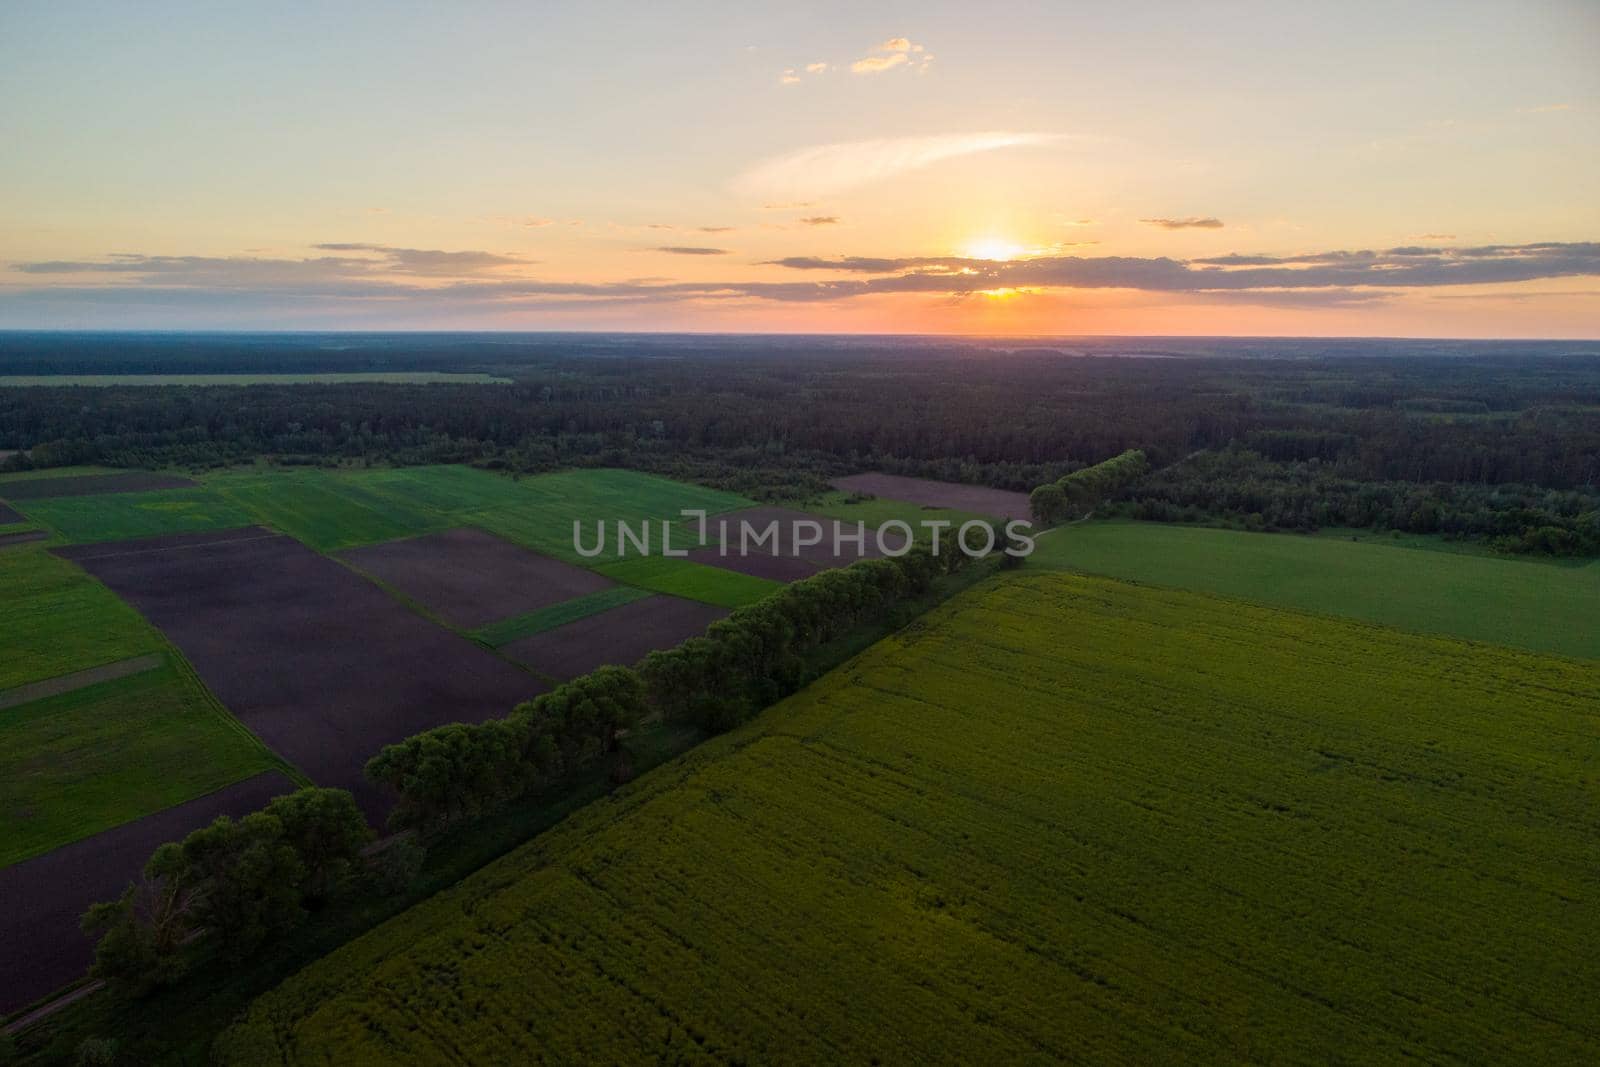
[[66, 683]]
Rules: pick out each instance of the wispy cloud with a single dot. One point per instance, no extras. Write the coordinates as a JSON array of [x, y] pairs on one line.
[[878, 64], [672, 226], [1191, 223], [833, 168], [895, 52], [795, 75], [690, 250], [820, 220], [426, 260]]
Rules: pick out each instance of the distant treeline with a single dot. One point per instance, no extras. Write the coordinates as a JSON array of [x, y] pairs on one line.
[[1307, 495], [779, 419]]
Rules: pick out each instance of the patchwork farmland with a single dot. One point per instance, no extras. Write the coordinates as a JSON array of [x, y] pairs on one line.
[[177, 647], [278, 627], [1169, 833], [320, 664]]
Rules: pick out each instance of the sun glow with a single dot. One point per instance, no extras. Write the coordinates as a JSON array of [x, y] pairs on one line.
[[992, 248]]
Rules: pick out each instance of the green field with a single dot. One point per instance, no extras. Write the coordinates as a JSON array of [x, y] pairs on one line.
[[543, 515], [118, 516], [537, 622], [325, 378], [1546, 607], [85, 761], [325, 510], [56, 619], [693, 581], [338, 509], [1060, 819]]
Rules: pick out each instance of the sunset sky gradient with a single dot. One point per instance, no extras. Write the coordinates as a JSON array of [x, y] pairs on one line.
[[1411, 169]]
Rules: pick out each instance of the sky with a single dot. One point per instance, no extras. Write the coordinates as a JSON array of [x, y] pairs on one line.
[[1407, 168]]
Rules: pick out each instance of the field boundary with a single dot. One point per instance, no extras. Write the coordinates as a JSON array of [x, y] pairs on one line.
[[182, 665], [504, 632]]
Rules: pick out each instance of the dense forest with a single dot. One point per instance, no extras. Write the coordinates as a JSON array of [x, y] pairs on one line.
[[1493, 442]]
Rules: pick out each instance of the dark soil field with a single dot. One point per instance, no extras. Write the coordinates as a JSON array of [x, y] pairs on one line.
[[23, 537], [471, 578], [762, 565], [622, 636], [322, 665], [93, 484], [44, 897], [975, 498]]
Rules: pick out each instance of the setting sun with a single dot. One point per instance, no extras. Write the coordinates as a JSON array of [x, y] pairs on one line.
[[992, 248]]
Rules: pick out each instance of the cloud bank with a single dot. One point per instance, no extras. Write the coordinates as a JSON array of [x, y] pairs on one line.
[[479, 281]]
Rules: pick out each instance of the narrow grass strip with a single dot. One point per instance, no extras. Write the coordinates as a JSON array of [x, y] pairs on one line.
[[508, 630]]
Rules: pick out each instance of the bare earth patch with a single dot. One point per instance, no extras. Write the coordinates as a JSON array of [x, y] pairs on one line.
[[471, 578], [978, 499], [321, 664], [622, 636], [93, 484]]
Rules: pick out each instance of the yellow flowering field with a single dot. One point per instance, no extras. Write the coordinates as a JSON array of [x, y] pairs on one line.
[[1060, 818]]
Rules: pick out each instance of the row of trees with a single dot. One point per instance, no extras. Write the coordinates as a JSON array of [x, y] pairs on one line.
[[239, 882], [1075, 495], [755, 656], [742, 664], [461, 770]]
